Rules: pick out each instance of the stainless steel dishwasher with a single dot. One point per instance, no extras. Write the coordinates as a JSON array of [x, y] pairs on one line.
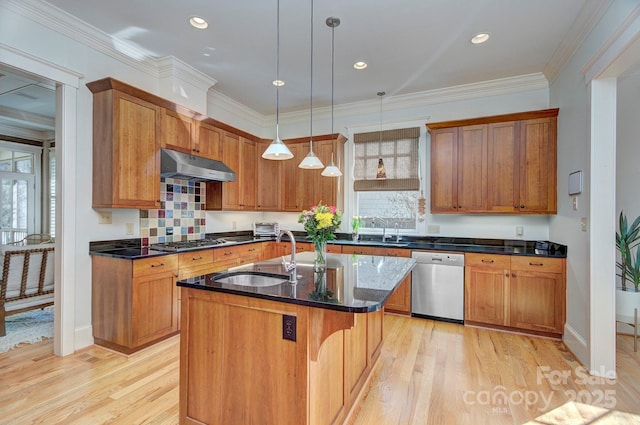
[[437, 286]]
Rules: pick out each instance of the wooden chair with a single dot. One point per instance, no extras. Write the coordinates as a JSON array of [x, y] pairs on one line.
[[27, 279]]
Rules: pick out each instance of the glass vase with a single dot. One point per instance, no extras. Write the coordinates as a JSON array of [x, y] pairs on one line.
[[320, 263]]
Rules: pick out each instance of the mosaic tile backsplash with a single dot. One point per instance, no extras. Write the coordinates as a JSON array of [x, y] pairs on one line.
[[181, 216]]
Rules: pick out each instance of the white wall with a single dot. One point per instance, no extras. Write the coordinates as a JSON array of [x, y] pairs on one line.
[[628, 147], [571, 93]]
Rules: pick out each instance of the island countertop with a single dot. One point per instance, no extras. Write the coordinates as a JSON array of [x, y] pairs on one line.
[[352, 283]]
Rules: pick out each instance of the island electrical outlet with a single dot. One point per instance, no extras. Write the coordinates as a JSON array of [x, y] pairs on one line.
[[289, 327]]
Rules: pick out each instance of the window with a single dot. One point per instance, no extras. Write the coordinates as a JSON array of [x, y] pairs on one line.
[[19, 188], [391, 201], [52, 193]]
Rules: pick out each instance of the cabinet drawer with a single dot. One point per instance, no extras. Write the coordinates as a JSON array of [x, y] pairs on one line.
[[537, 264], [249, 253], [487, 261], [195, 258], [155, 265], [362, 250], [396, 252]]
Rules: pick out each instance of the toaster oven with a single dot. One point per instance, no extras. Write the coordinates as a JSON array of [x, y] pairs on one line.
[[265, 230]]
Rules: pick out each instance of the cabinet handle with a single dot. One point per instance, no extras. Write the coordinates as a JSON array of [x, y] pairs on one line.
[[513, 275], [157, 265], [521, 207], [228, 253], [516, 206], [487, 261], [251, 249], [506, 275], [536, 264], [196, 259]]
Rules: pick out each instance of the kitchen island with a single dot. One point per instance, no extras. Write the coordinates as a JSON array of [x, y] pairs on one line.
[[285, 353]]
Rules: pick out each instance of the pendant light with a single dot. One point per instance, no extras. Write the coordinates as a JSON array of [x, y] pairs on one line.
[[332, 170], [381, 174], [277, 150], [311, 161]]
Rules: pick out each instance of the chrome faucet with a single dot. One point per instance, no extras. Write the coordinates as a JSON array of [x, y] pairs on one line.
[[398, 237], [384, 227], [291, 267]]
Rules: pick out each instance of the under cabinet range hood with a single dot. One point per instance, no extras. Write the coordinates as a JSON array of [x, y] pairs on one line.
[[178, 165]]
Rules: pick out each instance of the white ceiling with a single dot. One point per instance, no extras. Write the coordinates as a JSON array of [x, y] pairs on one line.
[[410, 45]]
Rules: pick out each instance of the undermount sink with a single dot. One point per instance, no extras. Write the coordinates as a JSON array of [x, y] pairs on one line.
[[249, 278]]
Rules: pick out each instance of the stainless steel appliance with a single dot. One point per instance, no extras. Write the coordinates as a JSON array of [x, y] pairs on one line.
[[188, 245], [266, 229], [183, 166], [437, 286]]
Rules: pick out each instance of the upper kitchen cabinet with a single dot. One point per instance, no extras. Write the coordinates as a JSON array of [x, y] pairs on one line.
[[503, 164], [269, 196], [178, 132], [209, 141], [241, 155], [126, 147]]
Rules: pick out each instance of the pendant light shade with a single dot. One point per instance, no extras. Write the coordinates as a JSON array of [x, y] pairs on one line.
[[311, 161], [277, 150], [332, 170]]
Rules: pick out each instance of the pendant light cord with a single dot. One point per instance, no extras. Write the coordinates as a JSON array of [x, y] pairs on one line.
[[311, 89], [278, 71], [333, 29]]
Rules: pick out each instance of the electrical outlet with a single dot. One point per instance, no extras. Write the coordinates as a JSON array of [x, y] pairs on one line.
[[433, 228], [104, 217], [583, 224], [519, 230], [289, 327], [234, 225], [575, 203], [129, 228]]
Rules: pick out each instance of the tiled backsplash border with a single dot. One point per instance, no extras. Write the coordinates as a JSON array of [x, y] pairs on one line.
[[181, 215]]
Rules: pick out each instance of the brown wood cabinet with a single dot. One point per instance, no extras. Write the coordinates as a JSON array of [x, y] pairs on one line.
[[134, 303], [126, 150], [209, 141], [178, 132], [400, 300], [269, 192], [239, 154], [517, 292], [497, 165]]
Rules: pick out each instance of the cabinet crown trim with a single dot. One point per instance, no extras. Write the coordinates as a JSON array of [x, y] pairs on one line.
[[518, 116]]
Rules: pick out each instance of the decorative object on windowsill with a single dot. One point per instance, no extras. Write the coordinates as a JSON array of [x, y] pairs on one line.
[[355, 224], [332, 170], [381, 174], [628, 299], [321, 223], [277, 150], [321, 292], [311, 161], [421, 207]]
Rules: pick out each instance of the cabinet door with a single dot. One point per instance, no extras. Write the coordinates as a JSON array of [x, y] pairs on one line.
[[472, 169], [231, 155], [503, 168], [296, 182], [538, 166], [136, 161], [154, 307], [269, 181], [178, 132], [209, 142], [326, 188], [444, 170], [485, 285], [400, 300], [537, 294], [248, 169]]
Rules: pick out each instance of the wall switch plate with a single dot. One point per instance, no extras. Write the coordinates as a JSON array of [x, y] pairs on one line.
[[104, 217], [129, 228], [519, 230], [433, 228], [575, 203], [289, 327], [583, 224], [234, 225]]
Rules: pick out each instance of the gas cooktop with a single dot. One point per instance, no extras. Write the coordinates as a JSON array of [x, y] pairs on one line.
[[188, 245]]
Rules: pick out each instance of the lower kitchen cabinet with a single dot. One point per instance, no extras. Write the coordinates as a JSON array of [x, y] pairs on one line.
[[517, 292], [134, 302], [400, 300]]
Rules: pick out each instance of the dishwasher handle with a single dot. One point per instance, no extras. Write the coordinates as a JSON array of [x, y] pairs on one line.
[[440, 258]]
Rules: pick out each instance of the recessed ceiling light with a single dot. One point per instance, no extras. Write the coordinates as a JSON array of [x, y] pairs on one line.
[[278, 83], [198, 22], [480, 38], [360, 65]]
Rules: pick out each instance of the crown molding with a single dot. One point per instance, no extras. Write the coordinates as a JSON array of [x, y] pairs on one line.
[[68, 25], [23, 133], [587, 19], [170, 66], [16, 115], [217, 100]]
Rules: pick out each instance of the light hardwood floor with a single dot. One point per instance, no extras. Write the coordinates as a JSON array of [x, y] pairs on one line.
[[428, 373]]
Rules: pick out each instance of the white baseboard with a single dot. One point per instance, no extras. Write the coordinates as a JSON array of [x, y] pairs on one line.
[[577, 344], [84, 337]]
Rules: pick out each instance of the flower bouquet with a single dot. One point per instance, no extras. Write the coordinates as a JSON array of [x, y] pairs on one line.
[[321, 223]]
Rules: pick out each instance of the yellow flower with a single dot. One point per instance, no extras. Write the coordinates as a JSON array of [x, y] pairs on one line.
[[324, 220]]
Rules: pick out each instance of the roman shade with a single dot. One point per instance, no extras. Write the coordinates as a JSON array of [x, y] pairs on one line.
[[399, 152]]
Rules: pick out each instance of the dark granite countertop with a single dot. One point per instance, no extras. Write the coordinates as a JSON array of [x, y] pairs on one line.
[[352, 283], [131, 249]]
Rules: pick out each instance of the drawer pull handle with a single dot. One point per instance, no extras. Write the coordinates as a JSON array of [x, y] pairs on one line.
[[536, 264], [251, 249], [228, 253], [157, 265], [196, 258], [487, 261]]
